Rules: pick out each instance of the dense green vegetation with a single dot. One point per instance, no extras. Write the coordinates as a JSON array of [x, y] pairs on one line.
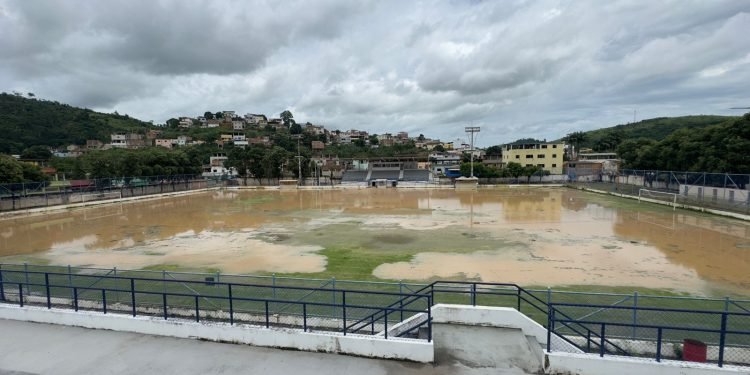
[[13, 171], [719, 148], [690, 143], [151, 161], [26, 122], [607, 139]]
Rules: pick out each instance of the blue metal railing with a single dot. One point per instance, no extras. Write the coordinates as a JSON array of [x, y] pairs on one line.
[[43, 289], [720, 330]]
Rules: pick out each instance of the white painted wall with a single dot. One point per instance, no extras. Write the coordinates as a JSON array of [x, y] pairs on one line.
[[359, 345], [586, 364]]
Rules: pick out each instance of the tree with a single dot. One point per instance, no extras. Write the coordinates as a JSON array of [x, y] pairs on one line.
[[219, 115], [173, 123], [36, 153], [529, 171], [288, 118], [208, 115], [576, 138], [438, 148], [514, 169], [295, 128], [240, 159], [421, 138], [374, 139], [494, 150], [11, 170]]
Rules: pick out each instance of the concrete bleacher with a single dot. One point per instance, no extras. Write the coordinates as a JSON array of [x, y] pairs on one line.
[[387, 175], [354, 176], [416, 175], [404, 175]]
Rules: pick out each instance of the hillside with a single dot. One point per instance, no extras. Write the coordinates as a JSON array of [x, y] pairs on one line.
[[26, 122], [656, 129]]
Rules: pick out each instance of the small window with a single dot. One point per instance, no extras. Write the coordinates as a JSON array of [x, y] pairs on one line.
[[529, 156], [540, 165], [544, 146], [540, 156], [554, 156], [554, 146], [529, 165], [518, 156], [554, 165]]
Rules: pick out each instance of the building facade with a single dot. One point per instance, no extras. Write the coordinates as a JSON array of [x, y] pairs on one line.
[[548, 156]]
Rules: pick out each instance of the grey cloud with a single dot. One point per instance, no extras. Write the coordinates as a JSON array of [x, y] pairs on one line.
[[518, 69]]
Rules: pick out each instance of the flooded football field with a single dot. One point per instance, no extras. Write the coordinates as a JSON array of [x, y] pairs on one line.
[[530, 236]]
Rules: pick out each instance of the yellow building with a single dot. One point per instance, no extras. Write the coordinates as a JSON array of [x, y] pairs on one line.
[[548, 156]]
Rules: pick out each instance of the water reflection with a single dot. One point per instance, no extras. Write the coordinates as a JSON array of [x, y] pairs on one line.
[[540, 236]]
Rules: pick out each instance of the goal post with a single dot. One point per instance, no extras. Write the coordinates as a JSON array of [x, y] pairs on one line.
[[659, 196]]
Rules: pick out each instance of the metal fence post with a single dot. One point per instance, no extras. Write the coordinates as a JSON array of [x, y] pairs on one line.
[[26, 273], [132, 294], [46, 287], [658, 344], [197, 311], [70, 281], [75, 298], [602, 349], [273, 285], [231, 304], [385, 323], [164, 304], [104, 301], [635, 312], [20, 294], [429, 320], [2, 284], [304, 317], [722, 338], [474, 294], [518, 298]]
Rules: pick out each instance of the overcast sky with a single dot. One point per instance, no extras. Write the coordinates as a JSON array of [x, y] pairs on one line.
[[516, 68]]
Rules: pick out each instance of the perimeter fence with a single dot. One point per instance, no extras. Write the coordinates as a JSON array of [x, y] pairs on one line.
[[380, 308], [20, 196], [723, 191]]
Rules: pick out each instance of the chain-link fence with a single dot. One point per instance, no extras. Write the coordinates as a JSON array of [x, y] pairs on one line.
[[722, 191], [19, 196], [720, 337]]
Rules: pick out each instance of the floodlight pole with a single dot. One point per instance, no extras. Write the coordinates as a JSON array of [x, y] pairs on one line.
[[299, 160], [471, 130]]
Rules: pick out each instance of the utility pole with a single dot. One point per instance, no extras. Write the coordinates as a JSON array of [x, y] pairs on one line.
[[471, 130], [298, 137]]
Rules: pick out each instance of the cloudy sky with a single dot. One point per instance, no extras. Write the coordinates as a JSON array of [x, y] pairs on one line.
[[516, 68]]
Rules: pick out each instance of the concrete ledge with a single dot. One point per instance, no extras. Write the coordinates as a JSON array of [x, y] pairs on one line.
[[63, 207], [734, 215], [358, 345], [588, 364], [499, 317]]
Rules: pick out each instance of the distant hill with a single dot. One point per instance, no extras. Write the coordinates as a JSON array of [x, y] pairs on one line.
[[655, 129], [26, 122]]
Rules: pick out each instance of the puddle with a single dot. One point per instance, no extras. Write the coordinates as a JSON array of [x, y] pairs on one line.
[[530, 236]]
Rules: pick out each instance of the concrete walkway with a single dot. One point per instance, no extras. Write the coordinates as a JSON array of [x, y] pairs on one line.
[[32, 348]]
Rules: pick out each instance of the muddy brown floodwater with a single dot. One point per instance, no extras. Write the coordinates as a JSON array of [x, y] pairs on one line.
[[530, 236]]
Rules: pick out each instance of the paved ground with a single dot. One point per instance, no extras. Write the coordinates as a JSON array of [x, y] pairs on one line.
[[32, 348]]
